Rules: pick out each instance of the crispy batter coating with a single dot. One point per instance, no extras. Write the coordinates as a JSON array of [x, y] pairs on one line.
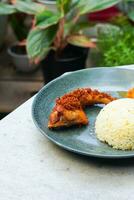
[[69, 102], [69, 108], [83, 97]]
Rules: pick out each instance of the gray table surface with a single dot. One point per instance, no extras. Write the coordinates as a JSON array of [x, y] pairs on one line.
[[33, 168]]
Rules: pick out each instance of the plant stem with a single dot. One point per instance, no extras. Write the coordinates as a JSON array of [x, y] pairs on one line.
[[76, 17], [58, 42]]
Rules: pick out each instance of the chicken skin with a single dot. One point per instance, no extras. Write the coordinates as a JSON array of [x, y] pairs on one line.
[[68, 109]]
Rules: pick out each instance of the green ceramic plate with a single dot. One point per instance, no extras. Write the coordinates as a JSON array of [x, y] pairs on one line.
[[82, 140]]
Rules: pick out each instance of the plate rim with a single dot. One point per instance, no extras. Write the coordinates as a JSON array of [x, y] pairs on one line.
[[97, 155]]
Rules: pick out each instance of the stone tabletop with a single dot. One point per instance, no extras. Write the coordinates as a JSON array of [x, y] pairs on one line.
[[33, 168]]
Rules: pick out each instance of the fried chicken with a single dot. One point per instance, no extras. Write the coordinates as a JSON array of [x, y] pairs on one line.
[[130, 93], [69, 111]]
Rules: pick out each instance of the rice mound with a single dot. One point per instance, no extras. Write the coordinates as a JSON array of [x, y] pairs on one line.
[[115, 124]]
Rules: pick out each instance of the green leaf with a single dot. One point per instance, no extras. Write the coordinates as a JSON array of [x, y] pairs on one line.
[[69, 27], [131, 15], [74, 3], [85, 6], [6, 9], [47, 18], [19, 28], [81, 26], [29, 7], [81, 40], [63, 5], [39, 42]]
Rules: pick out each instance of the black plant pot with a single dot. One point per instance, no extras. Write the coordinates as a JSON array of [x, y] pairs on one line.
[[72, 58]]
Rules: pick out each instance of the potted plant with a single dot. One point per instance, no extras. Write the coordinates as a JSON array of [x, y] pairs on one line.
[[116, 45], [20, 23], [58, 36], [17, 52]]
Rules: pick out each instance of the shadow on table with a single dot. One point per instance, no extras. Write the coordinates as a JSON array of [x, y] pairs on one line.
[[113, 162]]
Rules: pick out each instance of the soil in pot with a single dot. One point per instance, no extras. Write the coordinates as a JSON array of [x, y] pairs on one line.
[[72, 58], [20, 50]]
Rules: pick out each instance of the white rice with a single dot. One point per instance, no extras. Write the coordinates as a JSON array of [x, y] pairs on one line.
[[115, 124]]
